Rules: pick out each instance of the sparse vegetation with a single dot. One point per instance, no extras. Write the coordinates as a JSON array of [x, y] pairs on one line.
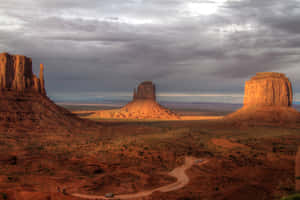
[[3, 196], [146, 149], [292, 197]]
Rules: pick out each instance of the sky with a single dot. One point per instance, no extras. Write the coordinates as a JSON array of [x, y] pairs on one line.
[[197, 48]]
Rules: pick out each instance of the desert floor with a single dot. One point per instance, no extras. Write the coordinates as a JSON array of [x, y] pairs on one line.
[[129, 157]]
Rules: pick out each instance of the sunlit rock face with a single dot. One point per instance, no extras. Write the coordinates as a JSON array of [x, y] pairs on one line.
[[268, 99], [142, 107], [297, 170], [268, 89], [16, 74]]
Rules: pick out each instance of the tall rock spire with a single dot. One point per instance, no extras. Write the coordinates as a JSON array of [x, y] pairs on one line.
[[42, 80]]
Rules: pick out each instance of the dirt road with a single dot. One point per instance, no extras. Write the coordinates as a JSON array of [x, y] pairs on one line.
[[179, 173]]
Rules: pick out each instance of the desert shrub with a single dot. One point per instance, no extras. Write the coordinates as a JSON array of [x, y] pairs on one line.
[[3, 196], [98, 171], [13, 160], [292, 197], [184, 198], [64, 191], [12, 179]]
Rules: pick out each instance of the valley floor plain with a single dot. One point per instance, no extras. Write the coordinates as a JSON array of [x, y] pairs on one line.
[[124, 157]]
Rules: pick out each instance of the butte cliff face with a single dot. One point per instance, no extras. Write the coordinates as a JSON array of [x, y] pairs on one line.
[[268, 98], [145, 91], [268, 89], [23, 97], [142, 107], [16, 75]]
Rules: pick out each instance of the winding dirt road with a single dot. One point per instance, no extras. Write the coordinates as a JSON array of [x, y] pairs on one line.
[[178, 173]]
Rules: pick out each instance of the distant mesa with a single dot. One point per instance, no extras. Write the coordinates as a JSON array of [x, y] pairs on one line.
[[23, 96], [268, 98], [145, 91], [142, 107]]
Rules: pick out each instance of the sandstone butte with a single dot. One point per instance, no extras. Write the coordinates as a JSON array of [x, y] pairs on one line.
[[142, 107], [23, 96], [268, 99], [16, 74], [297, 170]]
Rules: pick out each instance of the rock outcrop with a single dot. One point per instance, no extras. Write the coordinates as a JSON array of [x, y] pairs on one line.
[[268, 99], [145, 91], [142, 107], [16, 75], [23, 97], [297, 170], [268, 89]]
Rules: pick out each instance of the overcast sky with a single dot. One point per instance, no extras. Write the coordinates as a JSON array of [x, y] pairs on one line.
[[197, 46]]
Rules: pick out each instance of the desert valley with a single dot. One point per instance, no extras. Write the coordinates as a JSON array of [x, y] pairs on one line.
[[144, 150], [149, 100]]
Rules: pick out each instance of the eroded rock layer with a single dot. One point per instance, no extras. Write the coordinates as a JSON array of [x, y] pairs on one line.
[[268, 89], [143, 106], [16, 74], [268, 99], [146, 90]]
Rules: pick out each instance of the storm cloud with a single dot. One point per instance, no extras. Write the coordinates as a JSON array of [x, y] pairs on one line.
[[183, 46]]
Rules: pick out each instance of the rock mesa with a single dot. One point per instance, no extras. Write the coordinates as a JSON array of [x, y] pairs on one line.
[[268, 99], [143, 106], [268, 89]]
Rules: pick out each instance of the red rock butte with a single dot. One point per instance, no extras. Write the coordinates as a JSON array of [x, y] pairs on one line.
[[23, 96], [268, 89], [142, 107], [268, 98], [16, 74], [145, 91]]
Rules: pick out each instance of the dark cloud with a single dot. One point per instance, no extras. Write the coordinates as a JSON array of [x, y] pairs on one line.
[[264, 62], [110, 45]]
